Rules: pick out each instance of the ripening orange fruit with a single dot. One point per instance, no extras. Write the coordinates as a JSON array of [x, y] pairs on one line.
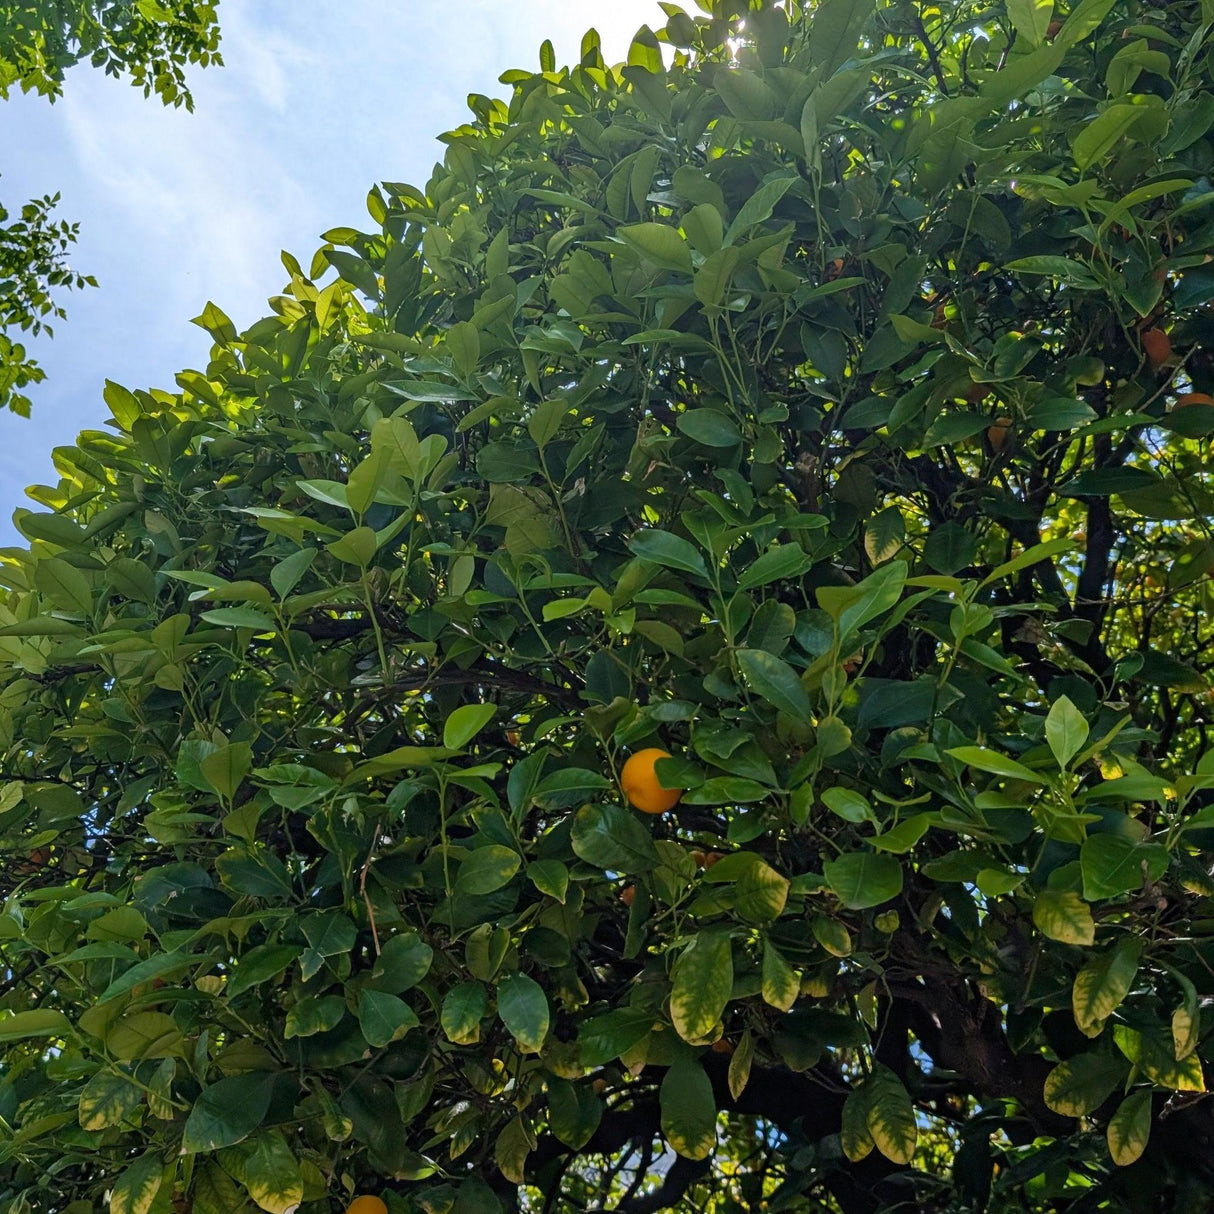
[[712, 857], [1157, 346], [722, 1046], [641, 785], [997, 434], [1193, 398], [367, 1205], [978, 393], [628, 895]]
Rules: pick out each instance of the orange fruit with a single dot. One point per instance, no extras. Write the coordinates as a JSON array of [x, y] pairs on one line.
[[1051, 30], [978, 393], [628, 895], [1193, 398], [700, 858], [367, 1205], [641, 785], [711, 858], [721, 1046], [996, 435], [1157, 346]]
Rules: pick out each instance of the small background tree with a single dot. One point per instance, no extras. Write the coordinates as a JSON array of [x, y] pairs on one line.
[[150, 42], [825, 407]]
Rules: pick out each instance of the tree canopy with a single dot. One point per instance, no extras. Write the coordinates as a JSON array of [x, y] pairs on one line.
[[149, 42], [819, 397]]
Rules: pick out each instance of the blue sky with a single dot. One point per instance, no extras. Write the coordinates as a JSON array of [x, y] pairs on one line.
[[315, 103]]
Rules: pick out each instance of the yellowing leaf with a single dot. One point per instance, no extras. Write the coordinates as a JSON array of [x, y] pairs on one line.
[[689, 1113], [1064, 916], [702, 980], [1103, 983], [136, 1189], [1130, 1128], [856, 1140], [890, 1116]]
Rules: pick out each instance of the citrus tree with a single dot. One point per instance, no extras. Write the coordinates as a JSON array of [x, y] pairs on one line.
[[676, 680]]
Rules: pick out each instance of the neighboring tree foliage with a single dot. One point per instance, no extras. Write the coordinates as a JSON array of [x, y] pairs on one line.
[[826, 408], [148, 41]]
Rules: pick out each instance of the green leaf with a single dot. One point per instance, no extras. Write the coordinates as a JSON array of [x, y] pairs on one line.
[[403, 962], [330, 933], [384, 1018], [259, 965], [357, 547], [659, 243], [574, 1112], [777, 563], [523, 1008], [903, 836], [688, 1109], [136, 1189], [41, 1022], [225, 769], [759, 206], [286, 574], [1095, 139], [550, 877], [227, 1112], [604, 1038], [851, 607], [864, 879], [712, 279], [465, 723], [848, 805], [773, 679], [106, 1100], [710, 427], [487, 869], [64, 585], [1129, 1128], [1065, 730], [612, 838], [760, 893], [1064, 916], [1083, 1083], [982, 759], [240, 617], [1031, 18], [665, 548], [1112, 864], [463, 1008], [701, 983]]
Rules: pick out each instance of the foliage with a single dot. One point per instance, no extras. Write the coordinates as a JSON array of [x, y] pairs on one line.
[[664, 415], [150, 42], [33, 251]]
